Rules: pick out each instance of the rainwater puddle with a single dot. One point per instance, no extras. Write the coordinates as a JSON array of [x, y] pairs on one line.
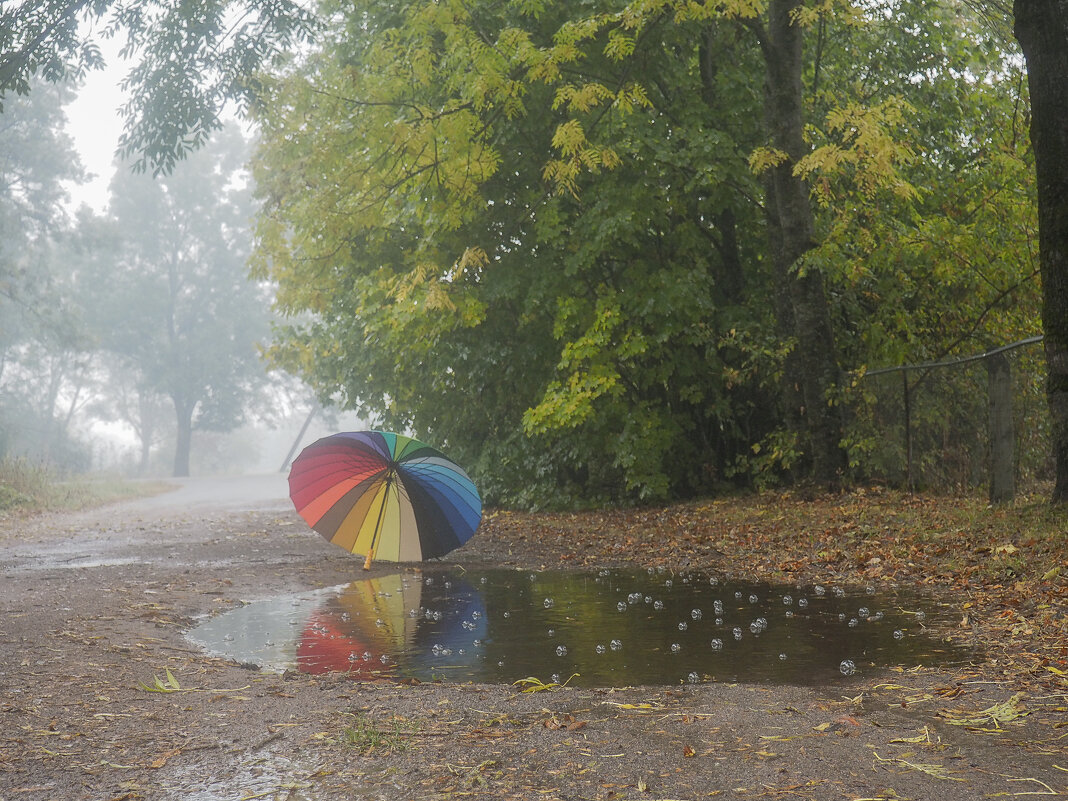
[[612, 628]]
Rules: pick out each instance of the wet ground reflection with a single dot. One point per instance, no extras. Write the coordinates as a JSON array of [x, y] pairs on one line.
[[612, 628]]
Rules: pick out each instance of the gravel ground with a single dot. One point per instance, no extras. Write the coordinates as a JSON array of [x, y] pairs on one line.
[[96, 605]]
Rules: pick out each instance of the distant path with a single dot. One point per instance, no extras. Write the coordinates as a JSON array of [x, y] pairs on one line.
[[230, 493]]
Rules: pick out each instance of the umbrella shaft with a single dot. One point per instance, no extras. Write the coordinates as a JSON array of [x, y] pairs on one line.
[[378, 523]]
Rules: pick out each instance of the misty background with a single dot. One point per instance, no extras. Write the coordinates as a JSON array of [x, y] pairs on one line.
[[130, 333]]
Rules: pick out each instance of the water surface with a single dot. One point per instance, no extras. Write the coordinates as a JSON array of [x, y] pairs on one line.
[[611, 628]]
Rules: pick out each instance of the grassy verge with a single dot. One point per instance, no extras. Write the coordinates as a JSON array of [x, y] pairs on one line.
[[28, 488]]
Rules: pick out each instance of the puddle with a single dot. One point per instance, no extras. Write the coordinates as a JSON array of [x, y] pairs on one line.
[[612, 628]]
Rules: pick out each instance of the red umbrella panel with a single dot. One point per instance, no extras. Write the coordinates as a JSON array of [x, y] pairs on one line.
[[384, 495]]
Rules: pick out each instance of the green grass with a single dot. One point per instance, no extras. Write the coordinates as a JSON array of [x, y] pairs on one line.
[[367, 734], [30, 488]]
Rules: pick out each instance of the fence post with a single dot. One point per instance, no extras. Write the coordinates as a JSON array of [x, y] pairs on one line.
[[908, 431], [1002, 436]]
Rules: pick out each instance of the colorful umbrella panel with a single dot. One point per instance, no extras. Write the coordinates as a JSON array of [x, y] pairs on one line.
[[384, 495]]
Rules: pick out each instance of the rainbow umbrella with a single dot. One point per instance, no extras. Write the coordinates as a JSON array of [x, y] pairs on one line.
[[384, 495]]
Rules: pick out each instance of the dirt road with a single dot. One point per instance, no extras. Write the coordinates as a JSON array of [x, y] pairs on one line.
[[94, 608]]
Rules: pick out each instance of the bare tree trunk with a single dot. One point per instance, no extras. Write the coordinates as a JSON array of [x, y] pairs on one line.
[[815, 361], [184, 440], [1042, 30]]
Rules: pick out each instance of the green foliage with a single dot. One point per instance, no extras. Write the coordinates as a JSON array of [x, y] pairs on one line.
[[535, 232], [193, 57]]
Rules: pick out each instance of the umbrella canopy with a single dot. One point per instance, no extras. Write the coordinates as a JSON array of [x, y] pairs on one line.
[[384, 495]]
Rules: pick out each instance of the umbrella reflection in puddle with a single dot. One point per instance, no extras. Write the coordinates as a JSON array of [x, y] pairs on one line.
[[613, 628]]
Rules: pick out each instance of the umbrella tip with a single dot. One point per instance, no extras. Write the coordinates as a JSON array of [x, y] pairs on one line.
[[367, 562]]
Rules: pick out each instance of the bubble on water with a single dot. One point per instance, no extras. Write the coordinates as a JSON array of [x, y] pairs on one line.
[[839, 592], [661, 569], [668, 583], [713, 581], [802, 603], [413, 613], [353, 657], [428, 581], [853, 622], [753, 599], [380, 622], [616, 645], [841, 617], [561, 650], [648, 599], [448, 585], [754, 628], [551, 632], [877, 617], [482, 580], [438, 615], [787, 600], [658, 605], [346, 616], [675, 647], [716, 644], [863, 613], [870, 590], [600, 648], [719, 621], [228, 638], [820, 590], [921, 615], [789, 613], [717, 607], [683, 625], [477, 643], [555, 678], [461, 652], [507, 614], [737, 633], [847, 667], [533, 577], [898, 634], [476, 615], [384, 659], [269, 643], [737, 594], [367, 656], [693, 677], [500, 664], [696, 614], [622, 606], [548, 603], [634, 597], [782, 657]]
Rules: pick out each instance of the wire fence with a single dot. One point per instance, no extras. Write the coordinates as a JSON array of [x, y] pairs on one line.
[[959, 423]]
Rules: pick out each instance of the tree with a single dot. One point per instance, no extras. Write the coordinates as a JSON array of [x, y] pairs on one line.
[[1042, 29], [174, 302], [462, 188], [192, 58], [44, 350]]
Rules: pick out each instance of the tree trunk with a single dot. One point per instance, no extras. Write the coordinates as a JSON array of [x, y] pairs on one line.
[[184, 439], [1042, 30], [815, 360]]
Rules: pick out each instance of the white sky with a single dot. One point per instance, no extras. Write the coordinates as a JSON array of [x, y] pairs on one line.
[[94, 122]]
